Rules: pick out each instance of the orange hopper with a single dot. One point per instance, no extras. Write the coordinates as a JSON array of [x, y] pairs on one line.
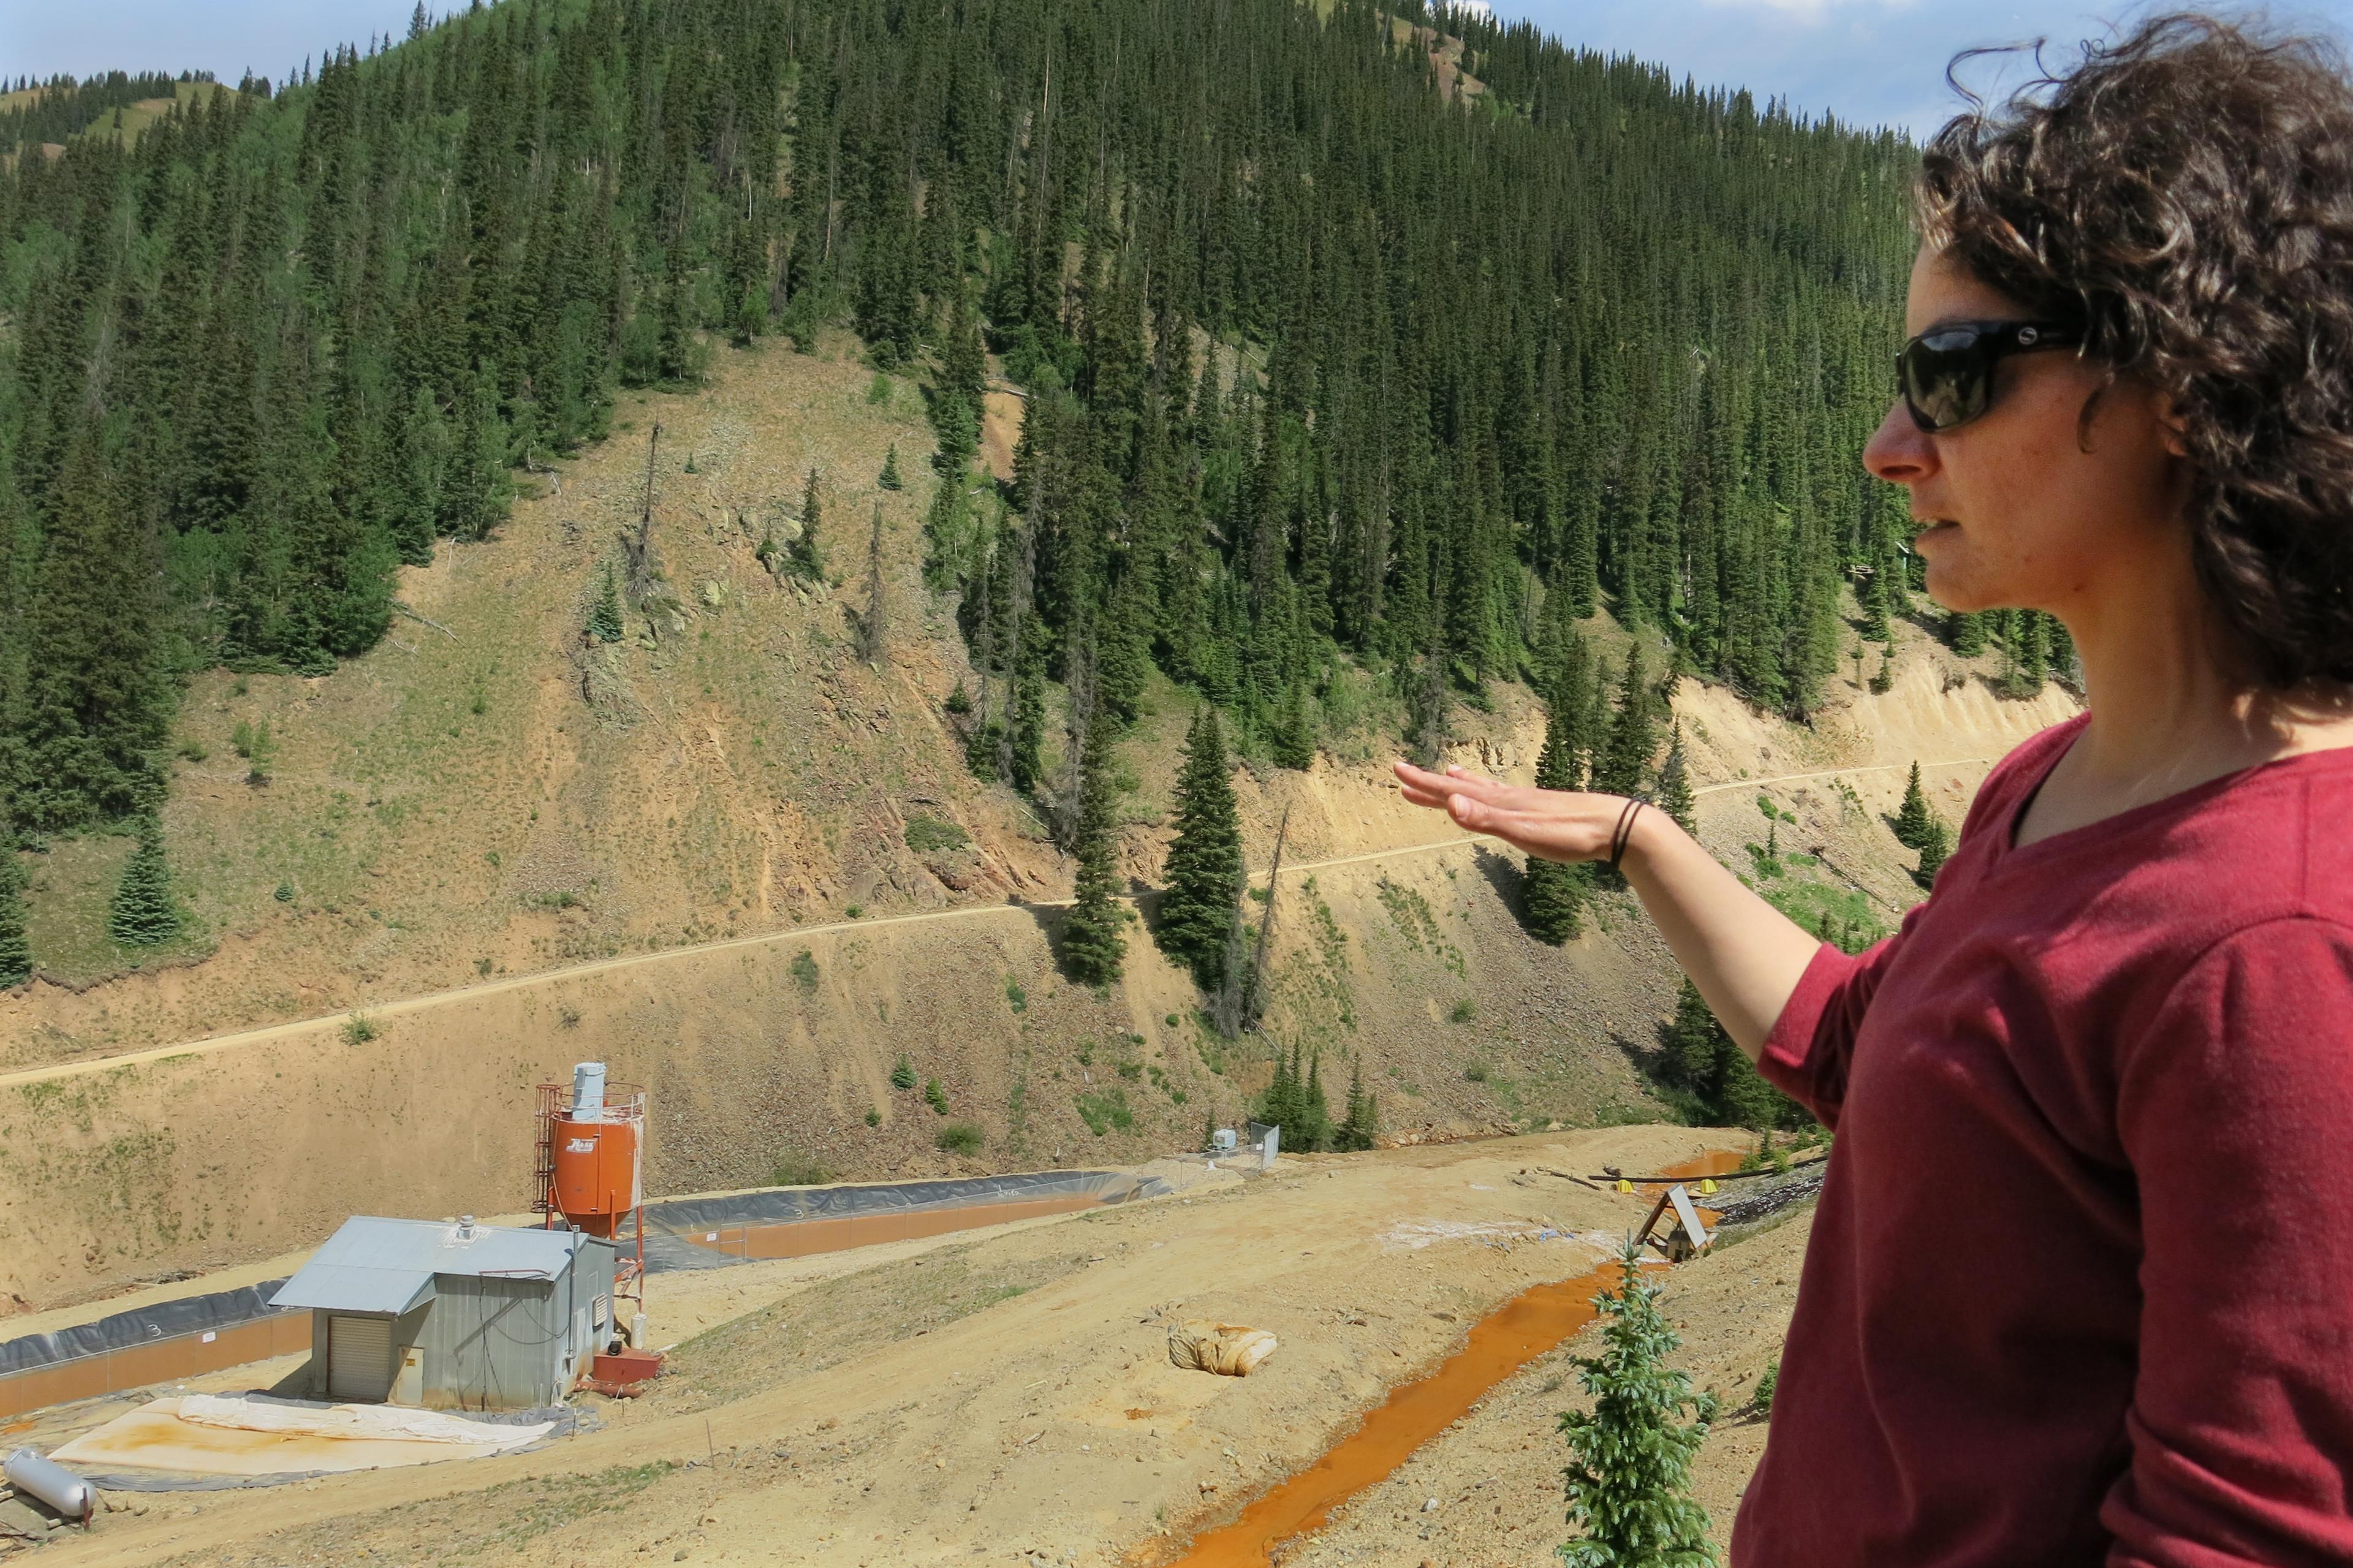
[[591, 1177]]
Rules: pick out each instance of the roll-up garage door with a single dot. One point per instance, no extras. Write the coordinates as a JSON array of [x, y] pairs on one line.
[[359, 1358]]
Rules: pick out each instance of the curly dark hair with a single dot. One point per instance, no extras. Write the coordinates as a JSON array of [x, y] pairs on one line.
[[2185, 195]]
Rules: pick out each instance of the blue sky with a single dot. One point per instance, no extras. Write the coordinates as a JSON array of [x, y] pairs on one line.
[[1874, 61]]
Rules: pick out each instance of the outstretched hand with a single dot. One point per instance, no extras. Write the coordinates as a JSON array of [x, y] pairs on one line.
[[1553, 825]]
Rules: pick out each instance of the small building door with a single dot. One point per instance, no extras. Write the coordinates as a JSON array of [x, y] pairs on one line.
[[359, 1358]]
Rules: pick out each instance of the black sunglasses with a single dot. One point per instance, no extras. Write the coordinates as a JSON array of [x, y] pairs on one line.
[[1946, 373]]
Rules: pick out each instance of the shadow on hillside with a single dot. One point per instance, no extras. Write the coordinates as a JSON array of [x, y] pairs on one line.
[[1504, 873]]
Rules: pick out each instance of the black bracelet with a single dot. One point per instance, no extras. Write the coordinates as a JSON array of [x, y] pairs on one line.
[[1623, 834]]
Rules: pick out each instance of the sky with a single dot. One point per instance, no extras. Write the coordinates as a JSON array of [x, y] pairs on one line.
[[1872, 62], [1866, 61]]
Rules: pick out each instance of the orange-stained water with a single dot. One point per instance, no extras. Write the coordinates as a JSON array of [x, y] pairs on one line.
[[1522, 1329]]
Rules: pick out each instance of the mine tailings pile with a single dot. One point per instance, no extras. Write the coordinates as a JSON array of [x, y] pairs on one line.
[[1535, 1321]]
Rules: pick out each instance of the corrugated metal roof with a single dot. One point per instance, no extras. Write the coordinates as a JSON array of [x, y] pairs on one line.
[[340, 1288], [374, 1265]]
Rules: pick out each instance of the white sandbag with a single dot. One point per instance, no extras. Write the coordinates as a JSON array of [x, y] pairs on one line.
[[1229, 1350]]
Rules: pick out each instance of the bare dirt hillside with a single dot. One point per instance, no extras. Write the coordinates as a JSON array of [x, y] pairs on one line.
[[488, 850]]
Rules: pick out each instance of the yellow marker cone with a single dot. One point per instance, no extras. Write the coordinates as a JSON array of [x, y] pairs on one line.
[[1708, 1186], [1625, 1186]]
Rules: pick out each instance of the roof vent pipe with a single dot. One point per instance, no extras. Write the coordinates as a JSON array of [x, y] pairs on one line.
[[588, 1092], [465, 1227]]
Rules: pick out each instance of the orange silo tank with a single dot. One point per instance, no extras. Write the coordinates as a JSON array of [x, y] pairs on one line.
[[598, 1155]]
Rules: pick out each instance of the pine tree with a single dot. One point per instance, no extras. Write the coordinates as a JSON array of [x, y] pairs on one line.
[[1691, 1051], [1674, 784], [1630, 1455], [889, 478], [1935, 847], [808, 551], [143, 912], [604, 617], [1552, 894], [1315, 1109], [1203, 871], [1363, 1120], [1633, 734], [96, 698], [1292, 740], [1093, 944], [1911, 819], [872, 627], [16, 952]]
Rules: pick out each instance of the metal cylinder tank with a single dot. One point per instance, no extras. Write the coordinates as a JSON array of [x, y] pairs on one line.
[[598, 1167], [71, 1496]]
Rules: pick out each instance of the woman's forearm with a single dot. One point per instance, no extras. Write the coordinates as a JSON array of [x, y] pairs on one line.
[[1745, 956]]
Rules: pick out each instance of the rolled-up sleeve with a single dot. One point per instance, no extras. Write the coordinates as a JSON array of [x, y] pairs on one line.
[[1811, 1044], [2234, 1108]]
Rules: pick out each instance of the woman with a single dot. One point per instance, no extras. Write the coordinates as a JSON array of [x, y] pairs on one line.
[[2078, 1287]]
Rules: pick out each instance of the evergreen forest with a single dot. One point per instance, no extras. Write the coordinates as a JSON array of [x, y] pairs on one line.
[[1328, 354]]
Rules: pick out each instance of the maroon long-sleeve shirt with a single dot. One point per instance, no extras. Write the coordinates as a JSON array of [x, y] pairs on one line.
[[2080, 1288]]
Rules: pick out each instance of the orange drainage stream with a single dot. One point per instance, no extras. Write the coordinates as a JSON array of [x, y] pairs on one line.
[[1532, 1322]]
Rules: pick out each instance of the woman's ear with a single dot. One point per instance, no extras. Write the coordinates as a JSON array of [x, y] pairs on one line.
[[2175, 428]]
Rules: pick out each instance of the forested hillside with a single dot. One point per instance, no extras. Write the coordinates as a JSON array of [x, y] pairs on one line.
[[1322, 365]]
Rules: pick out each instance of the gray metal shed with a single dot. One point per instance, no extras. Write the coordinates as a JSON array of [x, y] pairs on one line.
[[463, 1316]]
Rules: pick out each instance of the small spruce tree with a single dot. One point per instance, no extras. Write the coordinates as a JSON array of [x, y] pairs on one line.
[[1630, 1455], [1633, 734], [605, 617], [1674, 784], [1363, 1120], [889, 479], [1552, 894], [144, 913], [808, 552], [1203, 871], [15, 951], [1913, 817], [873, 630], [1936, 847], [1093, 944]]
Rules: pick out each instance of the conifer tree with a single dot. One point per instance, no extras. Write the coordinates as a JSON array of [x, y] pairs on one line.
[[1203, 872], [1675, 796], [15, 951], [1691, 1051], [1314, 1110], [1625, 763], [95, 700], [1363, 1120], [1291, 739], [889, 478], [872, 627], [143, 911], [604, 617], [1630, 1455], [1912, 818], [1552, 894], [808, 551], [1093, 944], [1935, 847]]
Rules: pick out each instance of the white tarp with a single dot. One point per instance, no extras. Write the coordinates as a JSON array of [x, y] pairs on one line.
[[378, 1422]]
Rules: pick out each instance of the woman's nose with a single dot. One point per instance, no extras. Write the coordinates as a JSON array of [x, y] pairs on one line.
[[1899, 451]]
